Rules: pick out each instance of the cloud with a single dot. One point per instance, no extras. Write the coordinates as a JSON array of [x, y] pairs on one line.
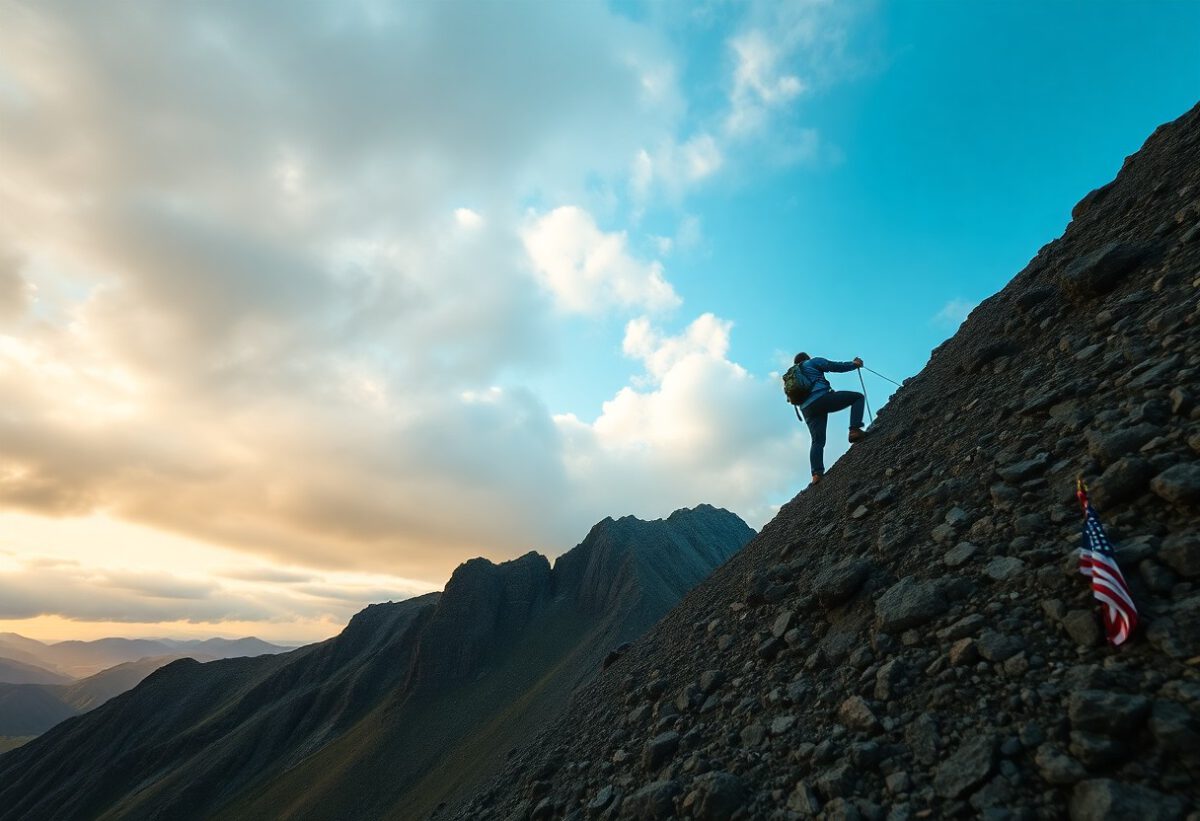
[[954, 313], [467, 218], [80, 594], [674, 167], [588, 270], [707, 336], [16, 294], [760, 83], [700, 426], [688, 237], [44, 586], [268, 574], [290, 306]]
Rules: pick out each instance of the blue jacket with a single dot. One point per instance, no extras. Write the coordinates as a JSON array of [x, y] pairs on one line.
[[815, 369]]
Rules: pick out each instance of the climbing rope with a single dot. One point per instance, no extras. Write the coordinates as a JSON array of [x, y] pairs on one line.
[[870, 416], [881, 376]]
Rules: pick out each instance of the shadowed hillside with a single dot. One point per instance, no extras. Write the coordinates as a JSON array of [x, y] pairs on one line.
[[406, 708], [20, 672], [912, 638]]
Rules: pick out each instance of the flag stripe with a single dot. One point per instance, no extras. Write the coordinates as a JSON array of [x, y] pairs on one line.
[[1098, 562]]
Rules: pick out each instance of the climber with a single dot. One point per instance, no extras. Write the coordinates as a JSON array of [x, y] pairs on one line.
[[821, 400]]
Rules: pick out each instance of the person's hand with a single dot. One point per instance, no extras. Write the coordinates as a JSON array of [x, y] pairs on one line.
[[857, 361]]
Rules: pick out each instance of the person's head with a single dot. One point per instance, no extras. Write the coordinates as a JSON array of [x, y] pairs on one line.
[[801, 357]]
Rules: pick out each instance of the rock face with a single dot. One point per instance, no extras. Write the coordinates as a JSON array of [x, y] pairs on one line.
[[911, 638], [394, 705]]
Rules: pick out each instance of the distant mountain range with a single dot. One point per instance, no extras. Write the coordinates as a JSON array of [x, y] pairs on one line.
[[19, 672], [41, 684], [410, 706], [79, 659]]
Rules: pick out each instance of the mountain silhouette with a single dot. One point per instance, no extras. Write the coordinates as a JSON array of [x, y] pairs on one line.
[[80, 659], [20, 672], [410, 706]]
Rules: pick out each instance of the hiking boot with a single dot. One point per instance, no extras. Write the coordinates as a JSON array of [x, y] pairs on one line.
[[857, 435], [816, 479]]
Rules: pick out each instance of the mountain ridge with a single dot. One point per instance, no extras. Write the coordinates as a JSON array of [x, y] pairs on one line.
[[194, 739]]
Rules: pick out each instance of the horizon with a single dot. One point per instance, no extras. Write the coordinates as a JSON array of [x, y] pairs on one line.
[[281, 337]]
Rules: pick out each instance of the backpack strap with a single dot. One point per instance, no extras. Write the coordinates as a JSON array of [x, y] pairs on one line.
[[796, 408]]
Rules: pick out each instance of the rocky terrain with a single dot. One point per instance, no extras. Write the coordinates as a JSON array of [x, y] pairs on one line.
[[404, 710], [911, 638]]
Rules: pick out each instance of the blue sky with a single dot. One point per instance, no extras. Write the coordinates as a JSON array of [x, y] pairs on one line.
[[961, 138], [303, 304]]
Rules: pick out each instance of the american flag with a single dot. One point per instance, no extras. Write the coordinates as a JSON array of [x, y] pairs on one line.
[[1097, 562]]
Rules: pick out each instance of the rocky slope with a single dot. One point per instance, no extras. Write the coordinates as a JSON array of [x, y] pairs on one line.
[[404, 709], [911, 638]]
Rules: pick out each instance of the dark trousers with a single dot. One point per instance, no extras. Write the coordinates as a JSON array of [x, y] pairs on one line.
[[816, 416]]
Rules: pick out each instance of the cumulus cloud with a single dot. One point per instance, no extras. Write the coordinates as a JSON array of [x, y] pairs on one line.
[[262, 309], [589, 270], [699, 426], [707, 336], [287, 305]]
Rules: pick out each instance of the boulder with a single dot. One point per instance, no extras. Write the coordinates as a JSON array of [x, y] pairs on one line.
[[1179, 485], [1181, 551], [968, 766], [1102, 270], [1056, 767], [836, 584], [659, 750], [1107, 713], [652, 802], [1003, 567], [1104, 799], [1109, 446], [1124, 480], [718, 795], [856, 714], [909, 603]]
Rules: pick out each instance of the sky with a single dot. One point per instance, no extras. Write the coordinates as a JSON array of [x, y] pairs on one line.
[[304, 304]]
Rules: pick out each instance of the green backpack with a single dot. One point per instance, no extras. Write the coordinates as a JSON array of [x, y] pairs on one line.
[[796, 386]]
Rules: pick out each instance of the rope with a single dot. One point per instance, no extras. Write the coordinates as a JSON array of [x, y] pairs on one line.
[[881, 376], [870, 416]]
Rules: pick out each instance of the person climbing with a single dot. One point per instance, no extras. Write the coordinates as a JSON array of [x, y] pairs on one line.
[[807, 388]]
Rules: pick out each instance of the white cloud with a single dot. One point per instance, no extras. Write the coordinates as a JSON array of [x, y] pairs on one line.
[[707, 336], [588, 270], [954, 312], [259, 310], [467, 218], [699, 426], [760, 83], [674, 168], [251, 306]]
